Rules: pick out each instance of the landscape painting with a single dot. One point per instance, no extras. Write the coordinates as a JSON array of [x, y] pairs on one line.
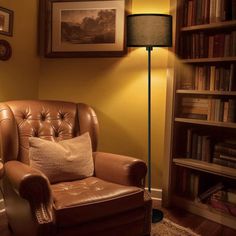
[[80, 28], [95, 26]]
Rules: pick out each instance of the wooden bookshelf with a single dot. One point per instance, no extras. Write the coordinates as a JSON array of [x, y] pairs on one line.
[[216, 25], [209, 60], [206, 122], [201, 110], [206, 92]]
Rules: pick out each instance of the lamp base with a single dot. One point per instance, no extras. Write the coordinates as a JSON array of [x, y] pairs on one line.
[[157, 215]]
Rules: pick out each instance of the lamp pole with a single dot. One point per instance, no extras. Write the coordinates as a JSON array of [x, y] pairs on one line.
[[149, 49]]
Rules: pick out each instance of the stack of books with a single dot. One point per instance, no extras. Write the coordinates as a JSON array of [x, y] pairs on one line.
[[225, 153], [195, 108], [209, 109]]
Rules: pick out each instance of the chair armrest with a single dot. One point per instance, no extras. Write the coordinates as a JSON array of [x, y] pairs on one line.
[[120, 169], [31, 185]]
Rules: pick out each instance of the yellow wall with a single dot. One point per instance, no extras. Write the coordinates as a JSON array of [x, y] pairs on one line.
[[117, 89], [19, 76]]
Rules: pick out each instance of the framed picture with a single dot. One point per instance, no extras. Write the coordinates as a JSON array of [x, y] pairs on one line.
[[6, 21], [83, 28]]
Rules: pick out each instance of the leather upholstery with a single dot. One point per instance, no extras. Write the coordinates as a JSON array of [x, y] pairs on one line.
[[112, 202]]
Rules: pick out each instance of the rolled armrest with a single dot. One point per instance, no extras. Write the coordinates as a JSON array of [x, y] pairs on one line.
[[31, 185], [26, 180], [120, 169]]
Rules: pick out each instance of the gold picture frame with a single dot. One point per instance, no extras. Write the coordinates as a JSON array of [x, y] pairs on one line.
[[6, 21], [84, 28]]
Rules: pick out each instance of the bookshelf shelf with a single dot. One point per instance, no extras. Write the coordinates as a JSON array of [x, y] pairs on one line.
[[206, 92], [206, 167], [205, 211], [216, 25], [205, 122], [209, 60], [201, 104]]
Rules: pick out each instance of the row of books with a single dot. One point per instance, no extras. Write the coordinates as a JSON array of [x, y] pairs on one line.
[[200, 45], [212, 78], [225, 154], [197, 188], [198, 146], [208, 109], [208, 11], [189, 184]]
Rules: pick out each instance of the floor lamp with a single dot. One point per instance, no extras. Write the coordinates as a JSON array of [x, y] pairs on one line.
[[149, 30]]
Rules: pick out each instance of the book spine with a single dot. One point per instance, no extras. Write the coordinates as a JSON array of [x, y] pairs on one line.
[[224, 157], [189, 143], [223, 162]]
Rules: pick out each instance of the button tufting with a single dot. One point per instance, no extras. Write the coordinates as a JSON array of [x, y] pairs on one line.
[[56, 134], [35, 134], [43, 117], [62, 116]]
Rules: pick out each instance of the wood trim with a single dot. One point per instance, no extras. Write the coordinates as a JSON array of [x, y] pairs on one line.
[[216, 25], [207, 92], [206, 122], [206, 167]]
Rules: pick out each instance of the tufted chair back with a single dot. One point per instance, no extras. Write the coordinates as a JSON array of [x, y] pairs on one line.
[[51, 120]]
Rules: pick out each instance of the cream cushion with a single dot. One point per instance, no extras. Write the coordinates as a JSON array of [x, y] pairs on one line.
[[64, 160]]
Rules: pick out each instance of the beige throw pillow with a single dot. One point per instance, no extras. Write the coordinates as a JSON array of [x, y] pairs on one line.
[[66, 160]]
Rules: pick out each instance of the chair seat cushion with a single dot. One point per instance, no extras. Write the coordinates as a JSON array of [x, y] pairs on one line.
[[92, 198]]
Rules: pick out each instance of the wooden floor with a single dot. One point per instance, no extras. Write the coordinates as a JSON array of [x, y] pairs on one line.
[[196, 223]]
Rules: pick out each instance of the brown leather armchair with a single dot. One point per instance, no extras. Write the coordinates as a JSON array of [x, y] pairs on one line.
[[113, 203]]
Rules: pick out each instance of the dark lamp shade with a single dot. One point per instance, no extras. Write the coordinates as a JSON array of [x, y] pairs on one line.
[[154, 30]]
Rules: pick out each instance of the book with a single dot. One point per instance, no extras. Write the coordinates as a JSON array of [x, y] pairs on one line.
[[189, 143], [206, 148], [233, 8], [218, 10], [206, 194], [223, 162], [225, 148], [195, 116], [194, 146], [212, 11], [199, 147], [231, 111], [223, 206], [231, 195], [224, 157], [232, 78], [226, 195]]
